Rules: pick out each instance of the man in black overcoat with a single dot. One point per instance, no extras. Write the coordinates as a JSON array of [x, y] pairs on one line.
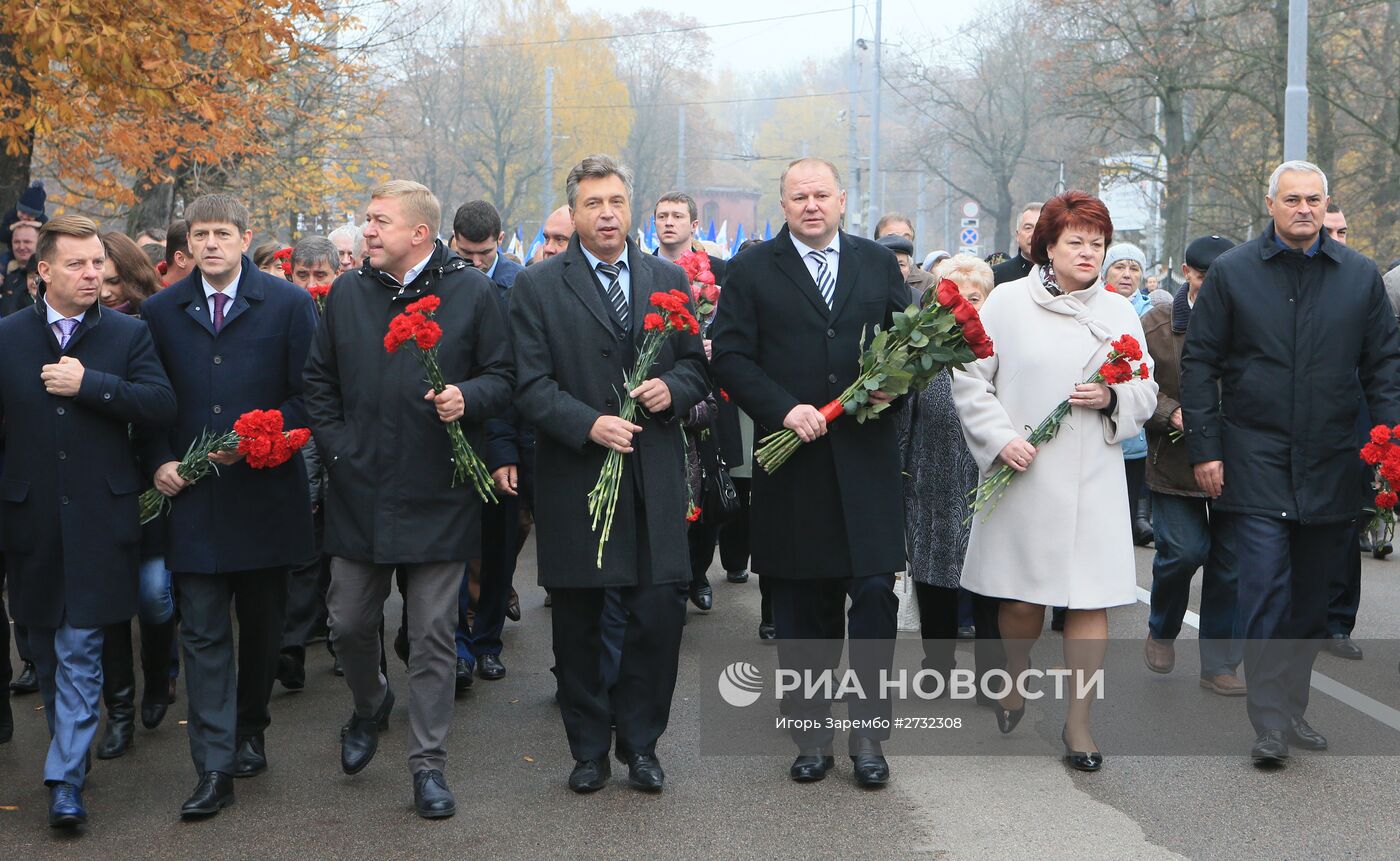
[[829, 524], [73, 377], [1285, 326], [234, 339], [391, 503], [576, 323]]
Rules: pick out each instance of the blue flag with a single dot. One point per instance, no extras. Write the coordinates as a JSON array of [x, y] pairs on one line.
[[710, 234], [738, 240], [767, 230]]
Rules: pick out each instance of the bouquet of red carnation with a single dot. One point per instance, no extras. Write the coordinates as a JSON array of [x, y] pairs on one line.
[[675, 316], [284, 257], [257, 435], [1384, 458], [1115, 369], [925, 339], [319, 292], [416, 324], [703, 290]]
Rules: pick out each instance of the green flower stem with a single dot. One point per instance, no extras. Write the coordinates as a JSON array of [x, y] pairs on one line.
[[467, 465]]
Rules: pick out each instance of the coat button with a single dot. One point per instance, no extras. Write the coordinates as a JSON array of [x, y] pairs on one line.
[[608, 402], [107, 396], [831, 378], [607, 353], [218, 360], [218, 409], [621, 337], [64, 500], [60, 411], [63, 455], [831, 333]]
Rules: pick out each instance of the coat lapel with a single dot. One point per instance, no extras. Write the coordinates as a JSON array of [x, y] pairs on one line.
[[192, 297], [91, 318], [642, 288], [249, 287], [847, 264], [790, 264], [580, 280]]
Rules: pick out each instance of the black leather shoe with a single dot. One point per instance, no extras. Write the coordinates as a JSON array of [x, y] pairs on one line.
[[1057, 618], [214, 793], [1007, 719], [153, 713], [1081, 760], [767, 632], [359, 739], [7, 720], [967, 632], [336, 668], [464, 675], [644, 773], [401, 645], [1344, 647], [590, 775], [811, 765], [1303, 736], [737, 576], [1270, 749], [116, 740], [250, 759], [431, 797], [872, 770], [490, 667], [702, 595], [66, 808], [1142, 532], [513, 606], [291, 671], [27, 682]]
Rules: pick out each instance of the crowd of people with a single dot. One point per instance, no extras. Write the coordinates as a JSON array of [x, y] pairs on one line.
[[119, 355]]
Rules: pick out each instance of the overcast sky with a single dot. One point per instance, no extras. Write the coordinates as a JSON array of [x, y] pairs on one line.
[[781, 44]]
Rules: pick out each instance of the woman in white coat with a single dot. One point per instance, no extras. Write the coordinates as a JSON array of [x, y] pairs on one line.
[[1057, 537]]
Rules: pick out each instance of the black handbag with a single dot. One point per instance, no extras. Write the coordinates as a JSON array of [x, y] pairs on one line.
[[719, 498]]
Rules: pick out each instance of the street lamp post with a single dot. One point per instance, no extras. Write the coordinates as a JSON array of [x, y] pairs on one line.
[[1295, 97]]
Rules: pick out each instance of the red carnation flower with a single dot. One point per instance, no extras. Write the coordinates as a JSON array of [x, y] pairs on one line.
[[1372, 453], [1386, 499], [1143, 372], [426, 305], [1380, 434], [1128, 346], [427, 335], [652, 322]]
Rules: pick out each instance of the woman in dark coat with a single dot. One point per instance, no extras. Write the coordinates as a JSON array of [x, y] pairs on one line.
[[127, 281]]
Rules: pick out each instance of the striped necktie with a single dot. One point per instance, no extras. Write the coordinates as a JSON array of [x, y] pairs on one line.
[[826, 285], [64, 330], [612, 279]]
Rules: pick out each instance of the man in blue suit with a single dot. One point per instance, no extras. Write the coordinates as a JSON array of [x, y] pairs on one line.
[[234, 340], [73, 376], [476, 231]]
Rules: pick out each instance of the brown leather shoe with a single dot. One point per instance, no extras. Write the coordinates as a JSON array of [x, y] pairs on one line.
[[1160, 655], [1225, 684]]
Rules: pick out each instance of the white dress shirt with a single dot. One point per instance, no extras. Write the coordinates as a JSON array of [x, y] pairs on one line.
[[624, 277], [231, 291]]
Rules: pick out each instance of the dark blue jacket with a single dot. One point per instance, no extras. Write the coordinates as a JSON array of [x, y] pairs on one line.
[[70, 523], [242, 519], [510, 441], [1269, 371]]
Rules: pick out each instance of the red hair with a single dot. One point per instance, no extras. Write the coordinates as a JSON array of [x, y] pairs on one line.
[[1073, 210]]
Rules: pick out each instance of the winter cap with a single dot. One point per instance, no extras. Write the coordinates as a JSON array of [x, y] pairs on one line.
[[1124, 251], [1200, 253], [32, 200], [897, 243]]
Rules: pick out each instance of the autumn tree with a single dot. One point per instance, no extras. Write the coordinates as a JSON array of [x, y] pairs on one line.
[[115, 89]]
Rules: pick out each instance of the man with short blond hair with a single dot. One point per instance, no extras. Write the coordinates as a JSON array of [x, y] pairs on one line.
[[73, 377], [391, 502]]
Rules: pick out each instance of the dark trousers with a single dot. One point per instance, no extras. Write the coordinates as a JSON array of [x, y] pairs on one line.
[[1190, 536], [1344, 590], [1284, 569], [500, 544], [306, 597], [734, 535], [701, 538], [229, 692], [938, 625], [639, 701], [812, 622], [21, 636]]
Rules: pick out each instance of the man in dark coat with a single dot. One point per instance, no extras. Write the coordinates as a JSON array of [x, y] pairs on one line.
[[1190, 535], [73, 376], [1019, 266], [390, 498], [1285, 326], [830, 523], [576, 322], [234, 339], [476, 231]]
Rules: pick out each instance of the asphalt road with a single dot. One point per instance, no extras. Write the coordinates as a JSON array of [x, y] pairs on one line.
[[509, 762]]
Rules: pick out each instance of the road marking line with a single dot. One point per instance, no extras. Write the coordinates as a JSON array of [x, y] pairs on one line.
[[1372, 708]]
